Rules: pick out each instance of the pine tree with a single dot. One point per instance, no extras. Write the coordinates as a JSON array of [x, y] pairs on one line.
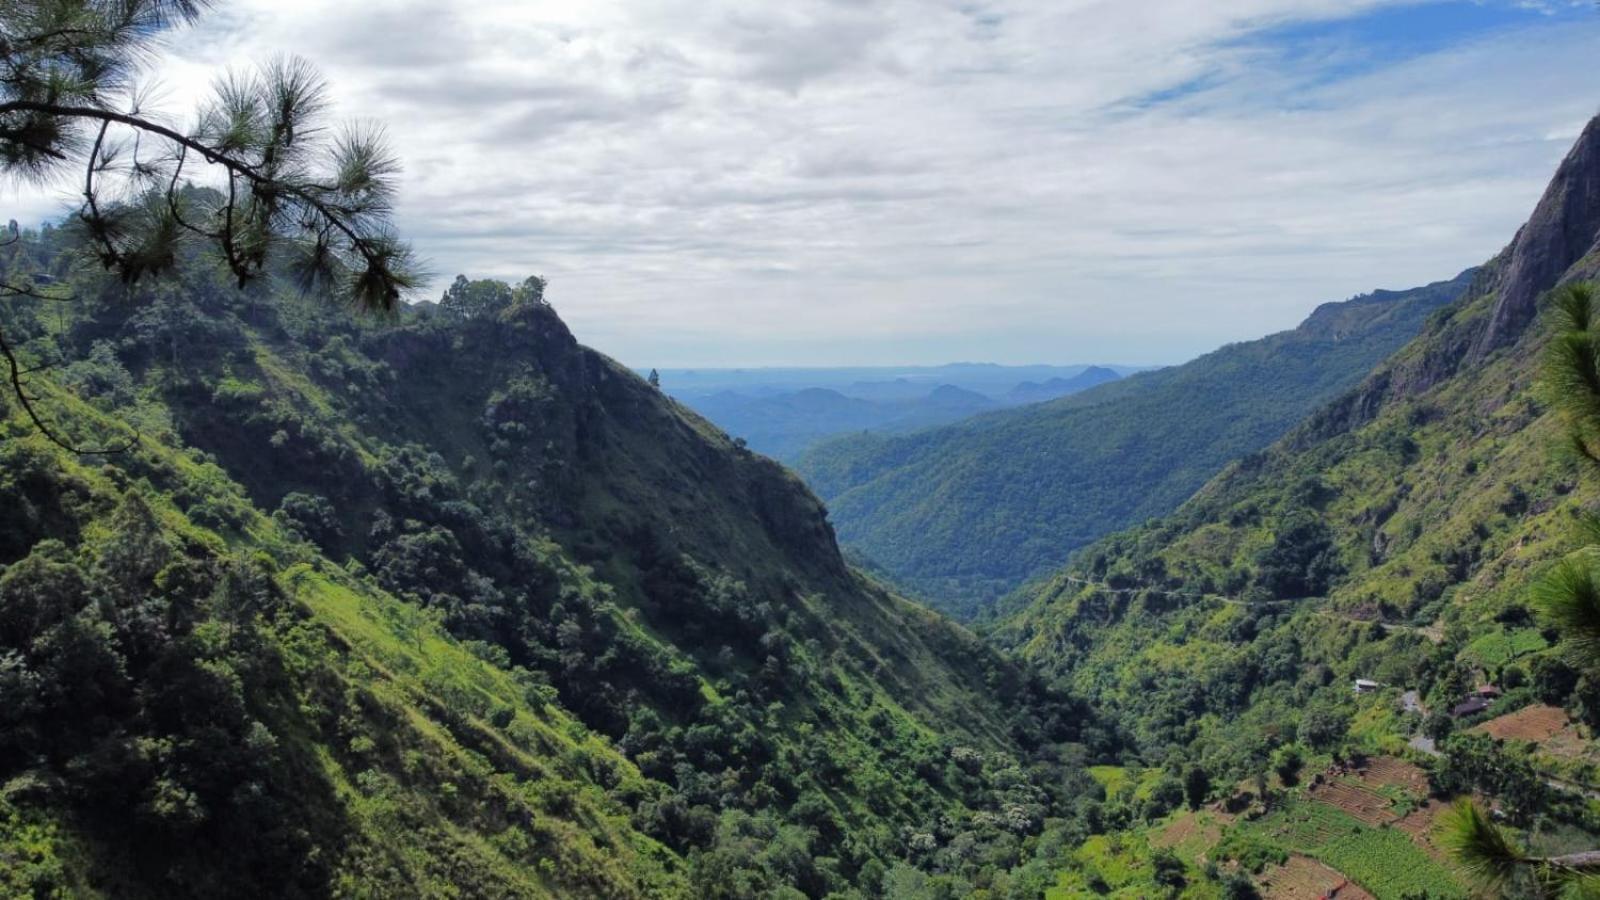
[[655, 379], [1569, 596], [277, 186]]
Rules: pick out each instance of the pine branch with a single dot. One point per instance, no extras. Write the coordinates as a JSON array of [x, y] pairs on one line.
[[370, 249]]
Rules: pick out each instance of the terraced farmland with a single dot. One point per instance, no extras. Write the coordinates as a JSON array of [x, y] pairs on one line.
[[1368, 806], [1191, 835], [1386, 771], [1382, 860], [1303, 878], [1531, 723], [1420, 824]]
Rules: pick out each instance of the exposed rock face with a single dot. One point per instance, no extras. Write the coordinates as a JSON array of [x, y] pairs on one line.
[[1561, 241], [1563, 229]]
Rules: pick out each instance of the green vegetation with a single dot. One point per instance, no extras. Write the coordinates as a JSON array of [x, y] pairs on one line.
[[450, 605], [1125, 865], [1396, 535], [1494, 650], [298, 195], [1384, 861], [1239, 623], [395, 616], [965, 513], [1569, 595]]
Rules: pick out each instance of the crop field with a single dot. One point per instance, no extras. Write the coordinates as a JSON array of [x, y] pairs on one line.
[[1305, 827], [1569, 744], [1303, 878], [1532, 723], [1387, 863], [1359, 801], [1498, 648], [1190, 835], [1384, 861], [1386, 771], [1549, 729]]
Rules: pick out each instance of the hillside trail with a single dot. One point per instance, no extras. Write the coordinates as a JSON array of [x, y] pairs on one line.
[[1432, 632]]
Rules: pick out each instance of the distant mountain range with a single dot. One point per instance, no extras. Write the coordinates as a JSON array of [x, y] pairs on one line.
[[966, 512], [784, 412], [785, 425], [1035, 392]]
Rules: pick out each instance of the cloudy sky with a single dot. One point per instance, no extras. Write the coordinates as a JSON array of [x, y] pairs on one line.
[[826, 182]]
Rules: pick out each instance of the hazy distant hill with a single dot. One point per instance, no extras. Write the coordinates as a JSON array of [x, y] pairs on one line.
[[969, 511], [868, 382], [1035, 392], [785, 425], [762, 407]]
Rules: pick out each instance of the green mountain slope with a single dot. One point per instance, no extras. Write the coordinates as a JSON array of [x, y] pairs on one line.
[[216, 710], [457, 606], [1392, 536], [969, 511]]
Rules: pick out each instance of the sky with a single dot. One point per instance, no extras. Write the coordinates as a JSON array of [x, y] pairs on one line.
[[859, 182]]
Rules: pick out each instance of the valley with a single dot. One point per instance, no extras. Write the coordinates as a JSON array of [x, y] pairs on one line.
[[314, 586], [966, 513]]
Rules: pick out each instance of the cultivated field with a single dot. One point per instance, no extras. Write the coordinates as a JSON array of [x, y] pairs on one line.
[[1386, 861], [1548, 728], [1360, 802], [1386, 771], [1303, 878], [1190, 835], [1533, 723]]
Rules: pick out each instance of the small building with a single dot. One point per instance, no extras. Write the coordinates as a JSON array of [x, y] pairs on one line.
[[1366, 685], [1487, 691], [1469, 707]]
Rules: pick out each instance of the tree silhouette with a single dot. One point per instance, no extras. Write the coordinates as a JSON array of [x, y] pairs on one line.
[[288, 192]]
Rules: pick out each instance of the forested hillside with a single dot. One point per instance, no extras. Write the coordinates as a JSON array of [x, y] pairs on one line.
[[965, 513], [453, 605], [1395, 536]]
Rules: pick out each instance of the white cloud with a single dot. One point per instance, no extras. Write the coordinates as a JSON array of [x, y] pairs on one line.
[[827, 181]]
